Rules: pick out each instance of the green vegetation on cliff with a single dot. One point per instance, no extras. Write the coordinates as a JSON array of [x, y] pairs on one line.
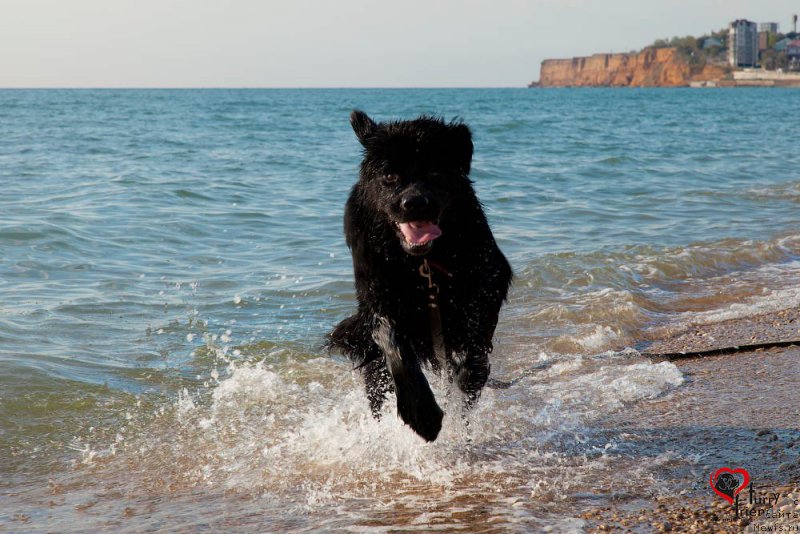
[[713, 49]]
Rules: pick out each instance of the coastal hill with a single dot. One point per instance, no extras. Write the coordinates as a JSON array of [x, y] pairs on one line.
[[706, 61], [653, 67]]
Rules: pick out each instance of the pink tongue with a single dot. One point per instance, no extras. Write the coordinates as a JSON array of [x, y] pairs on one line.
[[420, 232]]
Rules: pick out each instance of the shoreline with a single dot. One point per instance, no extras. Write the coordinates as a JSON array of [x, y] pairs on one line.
[[734, 410], [768, 329]]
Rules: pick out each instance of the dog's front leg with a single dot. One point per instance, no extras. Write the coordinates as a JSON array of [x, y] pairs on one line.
[[416, 404], [469, 361], [470, 371]]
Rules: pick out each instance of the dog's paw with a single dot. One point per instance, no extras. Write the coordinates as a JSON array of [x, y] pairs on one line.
[[425, 420]]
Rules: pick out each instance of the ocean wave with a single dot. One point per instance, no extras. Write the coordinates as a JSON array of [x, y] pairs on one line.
[[785, 191], [771, 301], [580, 303]]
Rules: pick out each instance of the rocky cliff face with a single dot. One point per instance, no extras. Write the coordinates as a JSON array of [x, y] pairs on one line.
[[662, 67]]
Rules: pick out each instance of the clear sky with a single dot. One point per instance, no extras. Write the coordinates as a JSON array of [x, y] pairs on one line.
[[335, 43]]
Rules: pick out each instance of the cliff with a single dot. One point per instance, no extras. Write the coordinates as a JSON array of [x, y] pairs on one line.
[[662, 67]]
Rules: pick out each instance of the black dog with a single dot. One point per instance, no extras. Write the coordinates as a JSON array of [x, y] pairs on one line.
[[430, 279]]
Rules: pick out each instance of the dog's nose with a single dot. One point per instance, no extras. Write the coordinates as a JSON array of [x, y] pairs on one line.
[[414, 203]]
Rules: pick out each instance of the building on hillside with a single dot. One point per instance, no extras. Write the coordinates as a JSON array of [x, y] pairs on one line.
[[765, 32], [711, 42], [793, 54], [763, 41], [769, 27], [793, 48], [781, 45], [742, 43]]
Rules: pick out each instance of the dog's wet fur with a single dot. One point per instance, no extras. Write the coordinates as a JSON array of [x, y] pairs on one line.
[[414, 182]]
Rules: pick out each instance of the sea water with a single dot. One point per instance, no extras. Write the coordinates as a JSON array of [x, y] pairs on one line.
[[170, 261]]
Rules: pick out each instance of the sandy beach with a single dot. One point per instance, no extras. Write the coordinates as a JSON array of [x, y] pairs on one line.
[[755, 426]]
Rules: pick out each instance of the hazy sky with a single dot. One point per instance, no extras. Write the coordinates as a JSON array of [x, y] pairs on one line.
[[334, 43]]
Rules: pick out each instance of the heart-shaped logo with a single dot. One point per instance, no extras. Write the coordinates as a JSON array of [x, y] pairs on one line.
[[726, 484]]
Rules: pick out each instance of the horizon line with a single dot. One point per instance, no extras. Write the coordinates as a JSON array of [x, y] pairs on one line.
[[237, 87]]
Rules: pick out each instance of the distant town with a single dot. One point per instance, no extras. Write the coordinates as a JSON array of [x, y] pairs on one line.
[[745, 54], [744, 44]]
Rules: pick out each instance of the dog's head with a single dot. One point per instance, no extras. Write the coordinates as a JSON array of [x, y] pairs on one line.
[[412, 172]]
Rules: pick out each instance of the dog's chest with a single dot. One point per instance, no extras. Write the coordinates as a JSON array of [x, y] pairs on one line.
[[430, 295]]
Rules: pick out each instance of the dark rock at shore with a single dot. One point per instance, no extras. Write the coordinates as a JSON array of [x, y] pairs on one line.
[[777, 327]]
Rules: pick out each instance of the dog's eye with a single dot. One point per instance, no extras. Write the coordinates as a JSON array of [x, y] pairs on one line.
[[391, 179]]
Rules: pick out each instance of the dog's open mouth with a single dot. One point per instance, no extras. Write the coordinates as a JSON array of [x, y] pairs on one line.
[[418, 236]]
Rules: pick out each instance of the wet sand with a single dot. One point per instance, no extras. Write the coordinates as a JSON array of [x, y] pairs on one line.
[[736, 410]]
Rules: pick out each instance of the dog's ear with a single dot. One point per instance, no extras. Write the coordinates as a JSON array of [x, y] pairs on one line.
[[461, 146], [363, 126]]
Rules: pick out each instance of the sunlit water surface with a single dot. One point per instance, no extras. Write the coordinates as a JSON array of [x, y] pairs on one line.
[[171, 261]]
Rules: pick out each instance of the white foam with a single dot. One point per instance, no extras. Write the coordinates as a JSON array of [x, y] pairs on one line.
[[774, 301], [325, 428], [599, 337], [301, 432], [588, 395], [320, 432]]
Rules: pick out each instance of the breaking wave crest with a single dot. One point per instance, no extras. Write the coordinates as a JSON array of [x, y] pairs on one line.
[[578, 303]]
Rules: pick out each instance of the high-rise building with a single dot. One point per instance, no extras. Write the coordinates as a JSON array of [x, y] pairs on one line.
[[743, 43], [769, 27], [763, 41]]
